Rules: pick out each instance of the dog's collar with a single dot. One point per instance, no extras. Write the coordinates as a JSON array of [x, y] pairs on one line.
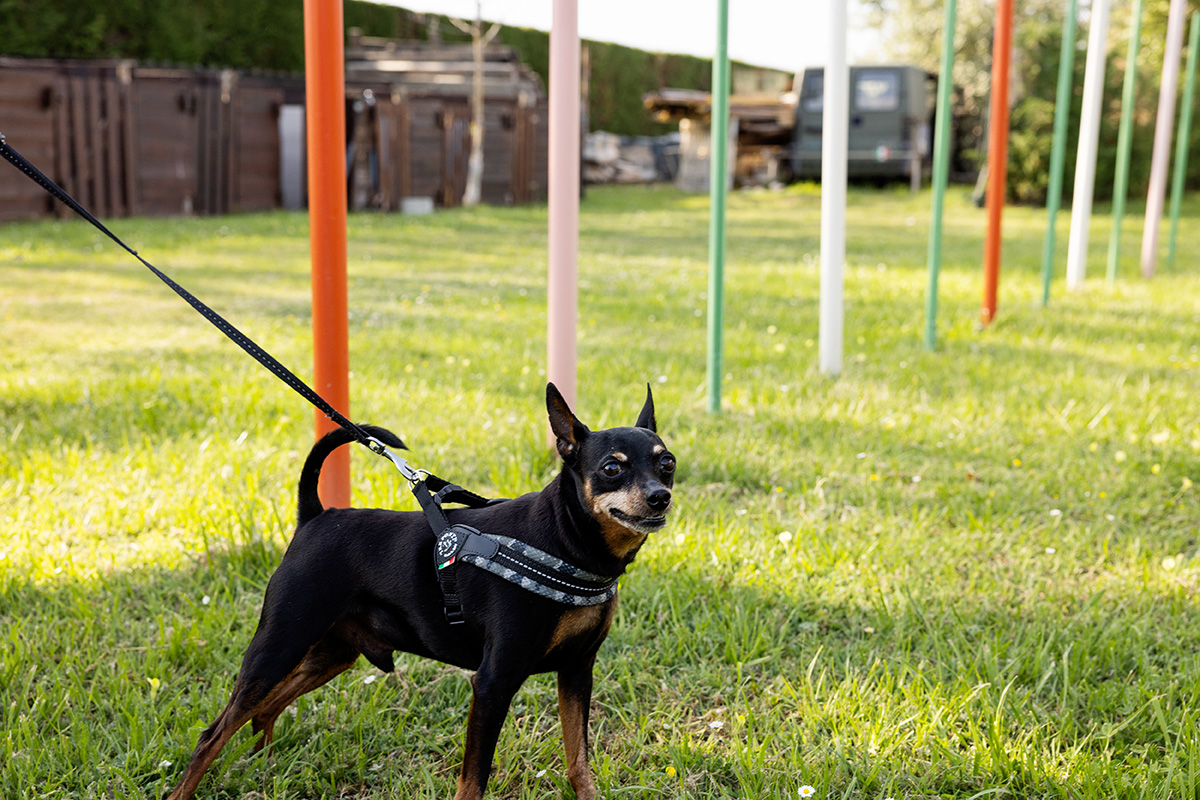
[[524, 565]]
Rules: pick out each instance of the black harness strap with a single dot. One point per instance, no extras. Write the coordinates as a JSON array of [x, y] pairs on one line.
[[511, 559]]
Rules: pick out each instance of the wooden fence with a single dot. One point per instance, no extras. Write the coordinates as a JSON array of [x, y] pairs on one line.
[[130, 140], [417, 144]]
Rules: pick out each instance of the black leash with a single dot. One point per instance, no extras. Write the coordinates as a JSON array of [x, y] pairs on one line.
[[221, 324], [516, 562]]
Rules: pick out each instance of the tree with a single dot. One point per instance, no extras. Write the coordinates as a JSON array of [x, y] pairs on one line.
[[910, 25], [479, 40]]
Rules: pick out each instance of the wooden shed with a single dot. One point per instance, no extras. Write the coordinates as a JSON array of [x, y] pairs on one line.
[[410, 116], [127, 139]]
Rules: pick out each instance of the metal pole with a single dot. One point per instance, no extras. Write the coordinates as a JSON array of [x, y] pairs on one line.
[[563, 284], [1162, 136], [835, 125], [997, 186], [1089, 140], [1124, 142], [941, 169], [1058, 151], [718, 178], [325, 104], [1182, 137]]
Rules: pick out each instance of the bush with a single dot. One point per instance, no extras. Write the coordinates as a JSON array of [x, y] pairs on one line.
[[1029, 143]]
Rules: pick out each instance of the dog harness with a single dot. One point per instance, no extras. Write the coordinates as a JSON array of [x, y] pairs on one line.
[[513, 560]]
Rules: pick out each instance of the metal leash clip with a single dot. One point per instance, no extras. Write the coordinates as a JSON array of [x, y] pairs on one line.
[[410, 473]]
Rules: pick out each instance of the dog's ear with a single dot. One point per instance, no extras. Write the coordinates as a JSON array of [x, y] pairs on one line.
[[569, 432], [646, 418]]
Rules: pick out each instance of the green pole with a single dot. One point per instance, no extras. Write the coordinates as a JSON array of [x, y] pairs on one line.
[[1181, 138], [941, 168], [718, 176], [1058, 151], [1124, 142]]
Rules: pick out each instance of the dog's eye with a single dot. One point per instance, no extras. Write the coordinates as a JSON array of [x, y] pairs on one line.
[[667, 463], [612, 469]]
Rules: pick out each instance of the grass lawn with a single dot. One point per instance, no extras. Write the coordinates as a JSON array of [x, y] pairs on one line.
[[973, 572]]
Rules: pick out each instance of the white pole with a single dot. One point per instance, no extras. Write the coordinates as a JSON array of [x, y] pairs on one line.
[[1162, 136], [1089, 139], [834, 144], [562, 291]]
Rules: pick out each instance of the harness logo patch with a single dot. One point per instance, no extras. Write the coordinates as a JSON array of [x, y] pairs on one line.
[[447, 545]]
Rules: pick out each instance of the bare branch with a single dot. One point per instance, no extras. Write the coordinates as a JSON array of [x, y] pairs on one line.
[[463, 26]]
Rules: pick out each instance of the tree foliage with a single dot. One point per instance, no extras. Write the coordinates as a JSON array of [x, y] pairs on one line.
[[912, 33], [269, 35]]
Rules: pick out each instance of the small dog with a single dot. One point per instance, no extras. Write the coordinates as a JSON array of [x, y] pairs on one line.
[[363, 581]]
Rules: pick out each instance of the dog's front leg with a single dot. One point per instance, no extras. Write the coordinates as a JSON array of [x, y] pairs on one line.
[[494, 688], [574, 702]]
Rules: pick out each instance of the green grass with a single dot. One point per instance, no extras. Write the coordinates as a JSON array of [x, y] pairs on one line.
[[967, 573]]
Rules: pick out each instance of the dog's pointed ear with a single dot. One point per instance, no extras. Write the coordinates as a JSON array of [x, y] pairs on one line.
[[569, 432], [646, 418]]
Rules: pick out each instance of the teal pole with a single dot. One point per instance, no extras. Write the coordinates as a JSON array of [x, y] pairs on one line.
[[941, 169], [1181, 138], [718, 176], [1058, 150], [1124, 142]]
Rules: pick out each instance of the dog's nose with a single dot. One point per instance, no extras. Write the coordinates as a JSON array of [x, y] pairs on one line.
[[659, 499]]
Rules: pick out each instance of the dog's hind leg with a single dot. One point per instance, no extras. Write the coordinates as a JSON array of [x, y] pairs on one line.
[[247, 696], [272, 669], [326, 660]]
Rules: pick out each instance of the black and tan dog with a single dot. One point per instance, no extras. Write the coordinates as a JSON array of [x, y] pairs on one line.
[[362, 581]]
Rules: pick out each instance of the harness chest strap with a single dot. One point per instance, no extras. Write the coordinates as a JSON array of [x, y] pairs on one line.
[[511, 559]]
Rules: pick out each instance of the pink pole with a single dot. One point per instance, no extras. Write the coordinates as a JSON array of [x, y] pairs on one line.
[[1162, 136], [562, 294]]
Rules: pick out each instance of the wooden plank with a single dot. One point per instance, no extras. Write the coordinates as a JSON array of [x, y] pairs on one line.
[[28, 99], [114, 170], [386, 114], [404, 149], [81, 164], [230, 167], [521, 154], [456, 146], [93, 102], [207, 125], [62, 140], [129, 174]]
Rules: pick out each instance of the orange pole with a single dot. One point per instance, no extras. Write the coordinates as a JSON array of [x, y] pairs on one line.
[[325, 95], [997, 155]]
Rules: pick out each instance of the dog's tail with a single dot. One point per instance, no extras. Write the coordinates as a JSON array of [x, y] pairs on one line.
[[309, 502]]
